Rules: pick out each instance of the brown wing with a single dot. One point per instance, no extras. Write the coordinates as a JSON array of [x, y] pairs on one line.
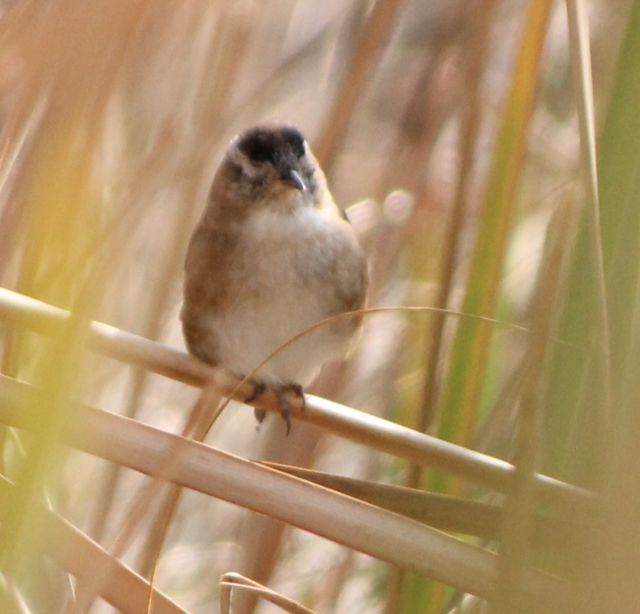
[[205, 289], [350, 282]]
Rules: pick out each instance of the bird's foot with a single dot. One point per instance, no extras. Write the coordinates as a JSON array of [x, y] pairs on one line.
[[282, 393], [283, 402], [258, 390], [298, 392]]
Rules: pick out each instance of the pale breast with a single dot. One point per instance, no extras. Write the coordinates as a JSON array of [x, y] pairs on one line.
[[289, 270]]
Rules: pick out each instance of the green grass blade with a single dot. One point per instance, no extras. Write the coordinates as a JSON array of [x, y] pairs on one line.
[[575, 398], [465, 377]]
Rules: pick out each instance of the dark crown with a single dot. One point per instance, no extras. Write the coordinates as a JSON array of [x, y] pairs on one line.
[[266, 144]]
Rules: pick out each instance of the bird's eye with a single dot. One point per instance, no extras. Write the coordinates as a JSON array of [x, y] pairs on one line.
[[257, 149], [295, 140]]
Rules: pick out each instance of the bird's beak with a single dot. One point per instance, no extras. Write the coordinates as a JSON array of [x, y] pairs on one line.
[[293, 178]]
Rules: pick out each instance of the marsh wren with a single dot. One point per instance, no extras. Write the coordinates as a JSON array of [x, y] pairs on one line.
[[271, 255]]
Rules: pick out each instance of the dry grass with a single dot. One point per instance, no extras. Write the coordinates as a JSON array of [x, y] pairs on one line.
[[491, 163]]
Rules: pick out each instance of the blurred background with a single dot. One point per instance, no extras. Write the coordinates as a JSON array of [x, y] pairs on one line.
[[450, 132]]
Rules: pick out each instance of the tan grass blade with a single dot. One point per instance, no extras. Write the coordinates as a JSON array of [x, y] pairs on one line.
[[579, 46], [232, 580], [78, 554], [372, 41], [466, 373], [519, 507], [338, 419], [388, 536], [470, 124], [444, 512]]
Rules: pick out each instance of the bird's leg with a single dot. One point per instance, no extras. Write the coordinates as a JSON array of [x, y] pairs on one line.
[[298, 392], [258, 390]]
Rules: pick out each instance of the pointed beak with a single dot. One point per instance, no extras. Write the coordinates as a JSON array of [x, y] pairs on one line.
[[293, 178]]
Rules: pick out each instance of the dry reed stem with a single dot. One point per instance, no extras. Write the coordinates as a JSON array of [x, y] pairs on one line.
[[11, 599], [579, 47], [338, 573], [338, 419], [518, 512], [373, 39], [198, 423], [433, 100], [442, 512], [171, 264], [79, 555], [232, 580], [336, 517], [469, 126], [466, 373], [206, 411]]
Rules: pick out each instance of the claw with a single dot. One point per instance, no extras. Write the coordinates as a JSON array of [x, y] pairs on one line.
[[284, 407], [298, 391], [259, 414], [258, 391]]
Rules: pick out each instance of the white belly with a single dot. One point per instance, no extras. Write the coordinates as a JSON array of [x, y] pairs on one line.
[[284, 262]]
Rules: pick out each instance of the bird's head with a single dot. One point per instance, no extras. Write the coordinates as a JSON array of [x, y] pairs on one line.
[[273, 165]]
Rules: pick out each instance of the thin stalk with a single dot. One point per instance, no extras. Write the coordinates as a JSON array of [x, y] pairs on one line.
[[334, 516], [470, 123], [339, 419], [77, 554], [583, 86], [519, 507], [466, 373], [373, 39], [444, 512]]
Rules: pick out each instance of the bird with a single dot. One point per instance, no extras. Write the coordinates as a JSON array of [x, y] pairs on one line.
[[271, 255]]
